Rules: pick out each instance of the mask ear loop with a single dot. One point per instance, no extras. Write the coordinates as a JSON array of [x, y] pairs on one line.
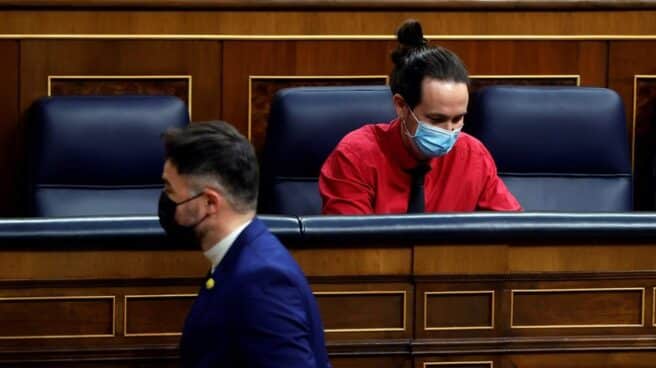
[[405, 128], [405, 124]]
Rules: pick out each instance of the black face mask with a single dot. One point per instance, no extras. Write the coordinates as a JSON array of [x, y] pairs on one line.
[[180, 234]]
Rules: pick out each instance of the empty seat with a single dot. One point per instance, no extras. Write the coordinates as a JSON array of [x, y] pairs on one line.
[[98, 155], [557, 148]]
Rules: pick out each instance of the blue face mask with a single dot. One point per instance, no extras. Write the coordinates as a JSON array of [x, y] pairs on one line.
[[433, 141]]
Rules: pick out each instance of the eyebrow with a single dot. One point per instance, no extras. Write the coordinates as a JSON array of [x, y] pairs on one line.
[[440, 117]]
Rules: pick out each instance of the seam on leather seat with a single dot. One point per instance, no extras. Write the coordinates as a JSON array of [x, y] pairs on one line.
[[98, 187], [296, 178], [571, 175]]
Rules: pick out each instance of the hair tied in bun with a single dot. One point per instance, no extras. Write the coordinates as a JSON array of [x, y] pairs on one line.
[[411, 35]]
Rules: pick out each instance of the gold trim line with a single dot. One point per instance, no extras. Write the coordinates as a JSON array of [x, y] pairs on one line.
[[428, 364], [127, 77], [81, 297], [653, 307], [635, 114], [149, 296], [251, 78], [370, 292], [333, 37], [577, 77], [512, 308], [463, 292]]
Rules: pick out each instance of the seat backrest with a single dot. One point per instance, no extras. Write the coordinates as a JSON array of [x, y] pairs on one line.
[[557, 148], [98, 155], [305, 125]]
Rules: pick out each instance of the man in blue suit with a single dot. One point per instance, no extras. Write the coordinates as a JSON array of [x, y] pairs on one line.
[[255, 308]]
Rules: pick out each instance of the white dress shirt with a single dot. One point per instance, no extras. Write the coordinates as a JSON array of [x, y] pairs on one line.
[[218, 250]]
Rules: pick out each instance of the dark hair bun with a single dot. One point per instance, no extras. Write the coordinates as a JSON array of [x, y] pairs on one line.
[[410, 34], [411, 38]]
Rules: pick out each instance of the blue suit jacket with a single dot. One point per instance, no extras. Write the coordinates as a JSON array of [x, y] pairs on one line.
[[260, 313]]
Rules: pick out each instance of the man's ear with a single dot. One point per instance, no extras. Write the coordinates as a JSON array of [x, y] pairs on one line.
[[399, 106], [215, 200]]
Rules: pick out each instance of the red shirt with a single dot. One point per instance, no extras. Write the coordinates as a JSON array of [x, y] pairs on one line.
[[367, 174]]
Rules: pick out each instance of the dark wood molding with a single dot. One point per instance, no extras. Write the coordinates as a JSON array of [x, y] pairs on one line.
[[338, 4], [418, 347], [507, 345], [136, 352], [40, 355]]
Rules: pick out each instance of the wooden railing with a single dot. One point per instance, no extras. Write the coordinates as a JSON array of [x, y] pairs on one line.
[[342, 4]]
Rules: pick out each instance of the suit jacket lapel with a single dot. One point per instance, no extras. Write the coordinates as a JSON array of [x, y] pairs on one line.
[[247, 236]]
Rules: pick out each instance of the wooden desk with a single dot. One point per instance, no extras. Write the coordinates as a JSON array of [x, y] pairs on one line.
[[485, 291]]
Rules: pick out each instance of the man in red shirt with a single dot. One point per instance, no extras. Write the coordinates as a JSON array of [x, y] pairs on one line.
[[421, 161]]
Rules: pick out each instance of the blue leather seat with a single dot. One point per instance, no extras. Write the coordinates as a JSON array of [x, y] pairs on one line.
[[305, 125], [557, 148], [98, 155]]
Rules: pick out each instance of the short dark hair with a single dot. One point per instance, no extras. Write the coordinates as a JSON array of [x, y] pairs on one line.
[[414, 59], [216, 151]]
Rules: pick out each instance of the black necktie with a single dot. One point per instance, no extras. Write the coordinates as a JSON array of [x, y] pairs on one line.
[[416, 198]]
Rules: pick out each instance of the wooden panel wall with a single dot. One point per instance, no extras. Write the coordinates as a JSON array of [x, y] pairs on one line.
[[327, 21], [351, 61], [381, 307], [236, 58], [10, 167], [201, 60], [632, 73]]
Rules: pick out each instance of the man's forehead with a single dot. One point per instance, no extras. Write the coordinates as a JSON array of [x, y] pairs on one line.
[[444, 98], [444, 88]]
